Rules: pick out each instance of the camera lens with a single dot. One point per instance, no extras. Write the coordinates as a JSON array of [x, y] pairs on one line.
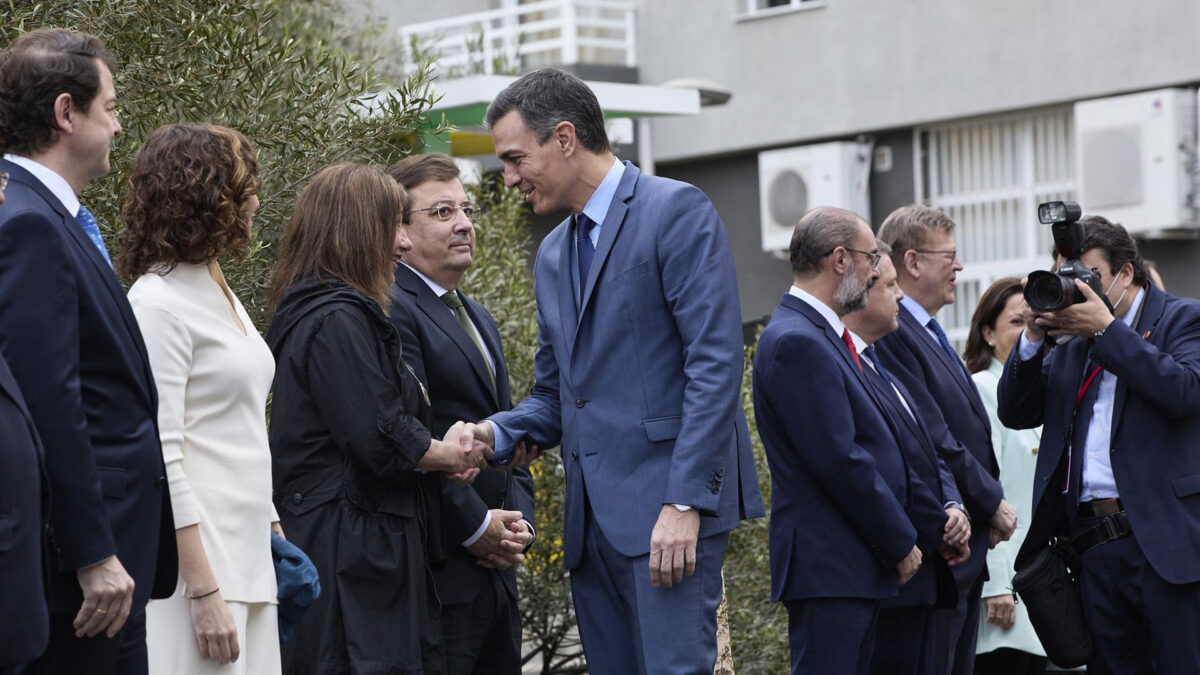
[[1046, 291]]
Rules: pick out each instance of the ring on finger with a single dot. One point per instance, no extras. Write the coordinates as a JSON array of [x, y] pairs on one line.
[[101, 611]]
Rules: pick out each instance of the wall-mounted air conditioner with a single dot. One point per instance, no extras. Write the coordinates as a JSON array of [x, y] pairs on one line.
[[1133, 155], [794, 180]]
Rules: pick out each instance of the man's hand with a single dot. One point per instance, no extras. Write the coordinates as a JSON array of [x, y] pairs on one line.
[[673, 546], [456, 455], [503, 542], [906, 569], [958, 528], [1083, 320], [216, 633], [1001, 611], [1003, 522], [955, 555], [522, 456], [107, 598], [1033, 332]]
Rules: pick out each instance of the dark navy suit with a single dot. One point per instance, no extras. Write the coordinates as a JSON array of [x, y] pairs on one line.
[[904, 621], [638, 375], [1141, 593], [841, 491], [954, 415], [74, 347], [482, 632], [24, 510]]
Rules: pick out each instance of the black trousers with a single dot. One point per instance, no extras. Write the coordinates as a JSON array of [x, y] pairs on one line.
[[123, 654]]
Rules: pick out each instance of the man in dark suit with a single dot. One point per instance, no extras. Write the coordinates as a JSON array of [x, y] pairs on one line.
[[905, 621], [841, 535], [638, 373], [920, 357], [1122, 477], [24, 509], [453, 345], [74, 347]]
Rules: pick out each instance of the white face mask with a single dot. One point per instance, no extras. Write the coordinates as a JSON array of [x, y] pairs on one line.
[[1123, 292]]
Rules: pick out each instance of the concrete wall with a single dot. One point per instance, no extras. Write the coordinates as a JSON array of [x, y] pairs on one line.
[[403, 12], [853, 66]]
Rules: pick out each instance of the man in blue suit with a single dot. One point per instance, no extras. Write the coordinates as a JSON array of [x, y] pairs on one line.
[[841, 539], [453, 346], [24, 509], [905, 621], [637, 374], [1122, 478], [920, 357], [68, 334]]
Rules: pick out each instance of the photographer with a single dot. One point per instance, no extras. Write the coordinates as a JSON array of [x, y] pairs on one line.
[[1123, 483]]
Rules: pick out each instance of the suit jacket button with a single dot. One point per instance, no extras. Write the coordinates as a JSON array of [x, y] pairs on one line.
[[297, 498], [579, 403], [160, 481]]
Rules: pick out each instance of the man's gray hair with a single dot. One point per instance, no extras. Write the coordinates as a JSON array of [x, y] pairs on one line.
[[818, 233]]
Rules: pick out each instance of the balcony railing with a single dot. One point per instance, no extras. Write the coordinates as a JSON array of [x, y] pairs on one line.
[[528, 36]]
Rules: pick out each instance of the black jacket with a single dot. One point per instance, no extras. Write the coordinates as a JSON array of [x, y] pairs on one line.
[[346, 433]]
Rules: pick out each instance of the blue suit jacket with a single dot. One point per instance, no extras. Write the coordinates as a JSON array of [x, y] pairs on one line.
[[24, 510], [445, 358], [641, 380], [1155, 445], [840, 486], [958, 423], [74, 347]]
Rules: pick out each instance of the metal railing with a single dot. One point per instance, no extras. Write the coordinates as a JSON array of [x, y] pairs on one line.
[[527, 36]]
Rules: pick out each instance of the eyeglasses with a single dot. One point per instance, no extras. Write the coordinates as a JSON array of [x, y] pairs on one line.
[[446, 212], [873, 256], [950, 255], [3, 181]]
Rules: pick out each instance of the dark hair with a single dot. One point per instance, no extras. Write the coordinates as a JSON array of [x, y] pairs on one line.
[[547, 97], [979, 354], [417, 169], [186, 198], [909, 228], [37, 68], [1114, 244], [818, 233], [344, 224]]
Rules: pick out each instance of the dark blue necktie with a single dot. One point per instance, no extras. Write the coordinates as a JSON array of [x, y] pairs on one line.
[[945, 343], [874, 358], [1089, 391], [88, 222], [583, 244]]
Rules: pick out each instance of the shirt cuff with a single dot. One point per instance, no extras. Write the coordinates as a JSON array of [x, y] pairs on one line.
[[487, 520], [532, 537], [502, 447], [683, 508], [1027, 350]]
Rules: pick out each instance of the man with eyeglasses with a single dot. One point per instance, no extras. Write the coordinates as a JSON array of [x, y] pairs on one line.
[[453, 345], [919, 355], [842, 539]]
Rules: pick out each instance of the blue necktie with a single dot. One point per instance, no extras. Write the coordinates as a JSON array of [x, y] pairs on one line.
[[88, 222], [945, 343], [583, 242], [874, 359]]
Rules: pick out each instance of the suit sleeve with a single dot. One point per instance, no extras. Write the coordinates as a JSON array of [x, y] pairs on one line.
[[361, 405], [845, 472], [1168, 378], [980, 492], [1021, 394], [169, 347], [538, 418], [39, 334], [700, 286]]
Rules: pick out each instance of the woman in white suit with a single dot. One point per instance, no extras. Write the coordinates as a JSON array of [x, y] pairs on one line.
[[191, 200], [1007, 644]]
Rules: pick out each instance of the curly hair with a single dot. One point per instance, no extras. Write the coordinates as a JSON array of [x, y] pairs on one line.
[[37, 68], [187, 199]]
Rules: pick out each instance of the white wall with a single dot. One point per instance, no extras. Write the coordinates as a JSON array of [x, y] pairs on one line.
[[864, 65]]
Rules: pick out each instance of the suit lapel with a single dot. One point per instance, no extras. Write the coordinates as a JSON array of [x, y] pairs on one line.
[[609, 230], [491, 341], [953, 366], [442, 317], [568, 296], [1152, 309]]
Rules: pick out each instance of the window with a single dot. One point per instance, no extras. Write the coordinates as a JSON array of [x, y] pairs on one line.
[[989, 176], [757, 9]]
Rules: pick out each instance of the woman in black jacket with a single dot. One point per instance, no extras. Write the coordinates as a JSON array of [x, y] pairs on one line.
[[353, 462]]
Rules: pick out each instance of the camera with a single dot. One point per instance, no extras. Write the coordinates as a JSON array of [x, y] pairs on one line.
[[1052, 291]]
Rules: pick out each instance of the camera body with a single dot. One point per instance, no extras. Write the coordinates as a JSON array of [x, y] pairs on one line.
[[1052, 291]]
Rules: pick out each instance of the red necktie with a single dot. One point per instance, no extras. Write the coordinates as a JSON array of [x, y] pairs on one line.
[[850, 345]]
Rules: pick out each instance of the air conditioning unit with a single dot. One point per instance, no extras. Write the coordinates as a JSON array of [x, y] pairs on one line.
[[794, 180], [1133, 158]]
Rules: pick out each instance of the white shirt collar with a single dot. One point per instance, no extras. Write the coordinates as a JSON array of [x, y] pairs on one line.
[[860, 345], [433, 285], [56, 184], [1134, 306], [824, 310]]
